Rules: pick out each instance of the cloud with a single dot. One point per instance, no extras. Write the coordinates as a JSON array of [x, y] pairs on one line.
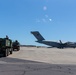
[[44, 20], [44, 8], [46, 16], [50, 19]]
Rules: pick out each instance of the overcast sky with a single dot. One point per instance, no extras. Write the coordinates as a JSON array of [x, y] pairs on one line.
[[54, 19]]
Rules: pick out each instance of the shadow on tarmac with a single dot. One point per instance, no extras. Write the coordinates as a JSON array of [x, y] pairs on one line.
[[15, 66], [16, 60]]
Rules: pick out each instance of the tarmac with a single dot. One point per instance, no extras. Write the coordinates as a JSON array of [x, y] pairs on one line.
[[39, 61]]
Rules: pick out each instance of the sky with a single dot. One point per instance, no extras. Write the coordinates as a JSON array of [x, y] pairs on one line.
[[54, 19]]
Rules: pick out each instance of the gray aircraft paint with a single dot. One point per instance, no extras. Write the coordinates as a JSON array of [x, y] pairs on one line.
[[38, 35], [40, 39]]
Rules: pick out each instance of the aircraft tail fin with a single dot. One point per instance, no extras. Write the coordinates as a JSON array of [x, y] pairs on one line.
[[60, 41], [37, 35]]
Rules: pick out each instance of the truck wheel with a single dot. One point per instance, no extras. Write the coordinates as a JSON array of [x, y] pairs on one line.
[[11, 51], [5, 53], [18, 49], [8, 52]]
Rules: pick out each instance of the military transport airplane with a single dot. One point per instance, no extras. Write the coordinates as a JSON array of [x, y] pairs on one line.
[[40, 39]]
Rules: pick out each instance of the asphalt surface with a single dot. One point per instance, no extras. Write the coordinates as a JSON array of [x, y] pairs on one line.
[[39, 61]]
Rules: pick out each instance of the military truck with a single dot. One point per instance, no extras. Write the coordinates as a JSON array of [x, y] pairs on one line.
[[5, 46], [16, 45]]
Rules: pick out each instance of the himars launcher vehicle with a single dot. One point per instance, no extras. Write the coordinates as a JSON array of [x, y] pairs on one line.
[[16, 45], [7, 46], [40, 39]]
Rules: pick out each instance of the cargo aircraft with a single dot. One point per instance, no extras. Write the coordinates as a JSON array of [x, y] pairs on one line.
[[59, 44]]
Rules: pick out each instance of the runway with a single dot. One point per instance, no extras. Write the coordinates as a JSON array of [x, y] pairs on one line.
[[39, 61]]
